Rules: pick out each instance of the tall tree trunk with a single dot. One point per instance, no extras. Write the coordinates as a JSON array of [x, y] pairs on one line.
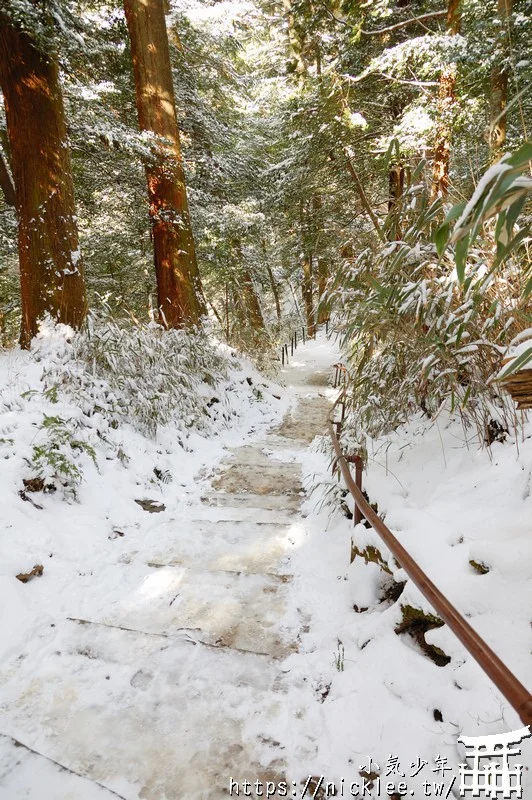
[[446, 102], [227, 328], [179, 290], [273, 284], [307, 284], [499, 83], [247, 304], [308, 295], [296, 44], [51, 270], [323, 277], [275, 292], [219, 320], [254, 313], [323, 264], [396, 185]]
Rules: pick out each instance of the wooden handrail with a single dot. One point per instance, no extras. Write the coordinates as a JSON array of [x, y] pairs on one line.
[[509, 686]]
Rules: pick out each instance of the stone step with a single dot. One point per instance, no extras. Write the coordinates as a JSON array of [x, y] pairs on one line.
[[274, 479], [143, 716], [287, 503], [236, 609], [282, 577], [261, 455]]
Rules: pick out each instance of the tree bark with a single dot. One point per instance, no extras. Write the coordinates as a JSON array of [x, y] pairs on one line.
[[446, 102], [179, 290], [51, 269], [499, 83]]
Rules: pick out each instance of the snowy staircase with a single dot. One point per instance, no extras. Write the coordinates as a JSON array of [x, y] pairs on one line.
[[172, 690]]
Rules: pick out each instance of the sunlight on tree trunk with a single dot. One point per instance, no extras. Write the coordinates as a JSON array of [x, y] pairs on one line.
[[179, 290], [51, 270]]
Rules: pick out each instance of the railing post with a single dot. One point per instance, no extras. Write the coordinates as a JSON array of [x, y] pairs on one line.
[[359, 465], [358, 480]]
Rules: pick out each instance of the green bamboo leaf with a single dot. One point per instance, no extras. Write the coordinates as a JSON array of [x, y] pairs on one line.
[[503, 251], [513, 212], [455, 212], [516, 365], [528, 288], [522, 156], [460, 256], [441, 237]]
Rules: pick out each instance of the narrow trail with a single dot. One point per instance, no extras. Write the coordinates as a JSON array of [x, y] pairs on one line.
[[155, 699]]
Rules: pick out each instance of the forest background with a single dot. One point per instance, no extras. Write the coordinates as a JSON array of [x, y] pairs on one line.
[[319, 147]]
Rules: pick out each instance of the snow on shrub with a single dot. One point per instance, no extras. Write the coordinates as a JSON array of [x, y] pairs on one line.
[[89, 384]]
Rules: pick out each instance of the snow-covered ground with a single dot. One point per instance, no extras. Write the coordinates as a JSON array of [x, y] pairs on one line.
[[161, 655], [450, 503]]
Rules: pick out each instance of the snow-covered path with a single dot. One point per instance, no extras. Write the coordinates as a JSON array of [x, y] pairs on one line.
[[170, 690]]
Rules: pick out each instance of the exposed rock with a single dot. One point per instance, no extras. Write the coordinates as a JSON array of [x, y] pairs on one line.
[[152, 506], [36, 572]]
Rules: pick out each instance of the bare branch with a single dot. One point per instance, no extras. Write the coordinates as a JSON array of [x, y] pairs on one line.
[[361, 193], [334, 17], [420, 19], [407, 82]]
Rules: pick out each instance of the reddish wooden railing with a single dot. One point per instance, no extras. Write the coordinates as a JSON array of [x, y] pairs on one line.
[[509, 686]]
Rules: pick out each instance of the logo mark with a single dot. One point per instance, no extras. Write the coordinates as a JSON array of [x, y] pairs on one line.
[[496, 778]]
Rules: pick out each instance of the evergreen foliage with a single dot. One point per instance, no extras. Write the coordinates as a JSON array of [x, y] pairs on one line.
[[310, 132]]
